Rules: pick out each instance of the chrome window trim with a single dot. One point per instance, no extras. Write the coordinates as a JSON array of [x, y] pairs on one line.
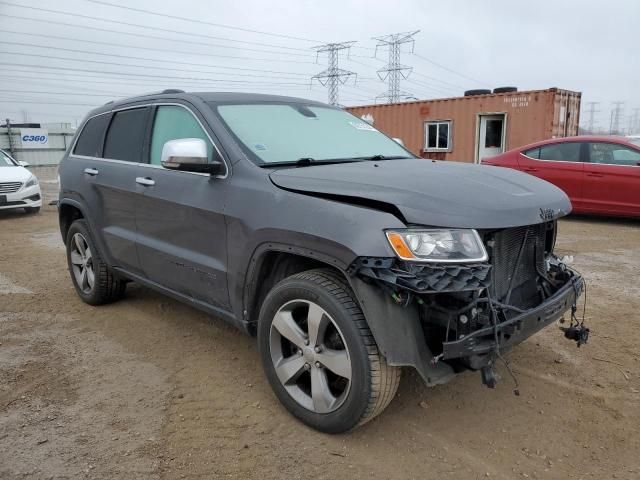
[[141, 164]]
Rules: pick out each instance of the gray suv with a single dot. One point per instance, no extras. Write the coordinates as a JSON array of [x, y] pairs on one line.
[[346, 255]]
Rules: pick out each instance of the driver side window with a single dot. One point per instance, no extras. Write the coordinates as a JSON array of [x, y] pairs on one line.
[[173, 122], [613, 154]]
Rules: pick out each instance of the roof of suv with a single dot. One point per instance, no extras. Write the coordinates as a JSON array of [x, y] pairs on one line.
[[206, 97]]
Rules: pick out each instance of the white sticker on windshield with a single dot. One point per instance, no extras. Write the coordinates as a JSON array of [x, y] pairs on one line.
[[362, 126]]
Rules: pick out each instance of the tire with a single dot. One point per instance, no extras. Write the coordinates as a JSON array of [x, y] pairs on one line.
[[32, 209], [505, 89], [477, 91], [350, 402], [105, 287]]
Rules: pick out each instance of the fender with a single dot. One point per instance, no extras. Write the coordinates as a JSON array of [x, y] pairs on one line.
[[74, 203]]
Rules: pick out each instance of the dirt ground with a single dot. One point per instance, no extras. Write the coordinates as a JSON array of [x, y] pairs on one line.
[[149, 388]]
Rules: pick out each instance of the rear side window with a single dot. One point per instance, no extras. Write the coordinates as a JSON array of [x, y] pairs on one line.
[[532, 153], [125, 136], [90, 139], [171, 123], [563, 152]]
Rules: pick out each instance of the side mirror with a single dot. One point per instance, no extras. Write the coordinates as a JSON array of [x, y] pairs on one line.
[[23, 164], [189, 155], [398, 140]]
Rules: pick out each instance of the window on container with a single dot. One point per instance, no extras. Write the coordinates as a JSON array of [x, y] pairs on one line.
[[90, 140], [126, 135], [493, 134], [438, 136], [561, 152]]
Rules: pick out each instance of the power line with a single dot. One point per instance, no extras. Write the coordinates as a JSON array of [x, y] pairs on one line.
[[137, 25], [131, 57], [141, 66], [154, 37], [394, 70], [450, 70], [333, 76], [203, 22]]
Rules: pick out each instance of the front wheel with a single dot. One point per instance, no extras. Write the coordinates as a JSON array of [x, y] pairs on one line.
[[319, 355], [93, 280]]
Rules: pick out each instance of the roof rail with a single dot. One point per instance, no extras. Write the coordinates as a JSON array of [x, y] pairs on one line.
[[172, 90]]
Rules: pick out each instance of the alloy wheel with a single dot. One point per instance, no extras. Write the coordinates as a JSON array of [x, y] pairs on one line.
[[82, 263], [310, 356]]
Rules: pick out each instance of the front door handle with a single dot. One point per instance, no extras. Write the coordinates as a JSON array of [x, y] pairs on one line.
[[146, 181], [595, 174], [91, 171]]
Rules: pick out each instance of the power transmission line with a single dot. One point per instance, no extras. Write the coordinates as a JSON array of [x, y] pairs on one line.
[[450, 70], [394, 70], [157, 37], [203, 22], [142, 66], [131, 57], [119, 22], [333, 76]]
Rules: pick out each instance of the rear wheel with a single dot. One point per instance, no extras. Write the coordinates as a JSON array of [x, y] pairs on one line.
[[319, 355], [93, 280]]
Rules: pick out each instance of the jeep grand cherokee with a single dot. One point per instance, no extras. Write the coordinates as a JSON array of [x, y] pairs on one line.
[[346, 255]]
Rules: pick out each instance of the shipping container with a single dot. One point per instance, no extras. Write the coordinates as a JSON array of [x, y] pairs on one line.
[[469, 128]]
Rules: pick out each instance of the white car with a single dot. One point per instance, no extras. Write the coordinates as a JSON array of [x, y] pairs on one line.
[[19, 188]]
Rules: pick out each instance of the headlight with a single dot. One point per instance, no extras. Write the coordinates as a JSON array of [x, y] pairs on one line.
[[33, 181], [438, 245]]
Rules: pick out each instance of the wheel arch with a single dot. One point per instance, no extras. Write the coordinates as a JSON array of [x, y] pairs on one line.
[[271, 263], [68, 212]]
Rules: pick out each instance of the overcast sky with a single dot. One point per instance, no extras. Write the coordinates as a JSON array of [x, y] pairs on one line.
[[591, 47]]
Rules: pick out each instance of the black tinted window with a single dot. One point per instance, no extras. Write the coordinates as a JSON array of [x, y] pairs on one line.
[[126, 135], [532, 153], [90, 139], [565, 152]]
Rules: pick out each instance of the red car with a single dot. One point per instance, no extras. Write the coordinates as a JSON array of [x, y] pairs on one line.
[[600, 174]]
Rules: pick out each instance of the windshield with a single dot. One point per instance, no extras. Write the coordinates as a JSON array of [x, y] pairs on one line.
[[289, 132], [6, 160], [635, 141]]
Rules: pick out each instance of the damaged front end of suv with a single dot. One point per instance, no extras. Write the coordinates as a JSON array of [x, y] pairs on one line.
[[456, 299]]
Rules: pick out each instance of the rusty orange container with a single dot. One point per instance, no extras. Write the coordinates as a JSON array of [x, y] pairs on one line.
[[467, 129]]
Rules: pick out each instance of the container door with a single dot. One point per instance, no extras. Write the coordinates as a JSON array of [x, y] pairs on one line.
[[491, 136]]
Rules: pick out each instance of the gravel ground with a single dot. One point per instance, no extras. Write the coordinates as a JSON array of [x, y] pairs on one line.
[[149, 388]]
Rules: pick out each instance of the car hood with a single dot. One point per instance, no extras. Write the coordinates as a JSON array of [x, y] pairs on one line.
[[443, 194], [14, 174]]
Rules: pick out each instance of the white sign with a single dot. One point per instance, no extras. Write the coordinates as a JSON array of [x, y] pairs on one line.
[[34, 137]]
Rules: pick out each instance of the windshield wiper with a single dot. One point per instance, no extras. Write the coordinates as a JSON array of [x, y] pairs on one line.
[[305, 162], [382, 157]]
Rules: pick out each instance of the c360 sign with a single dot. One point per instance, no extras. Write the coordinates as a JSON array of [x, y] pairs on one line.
[[34, 137]]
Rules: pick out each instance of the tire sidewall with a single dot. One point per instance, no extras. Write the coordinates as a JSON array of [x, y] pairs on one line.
[[351, 411]]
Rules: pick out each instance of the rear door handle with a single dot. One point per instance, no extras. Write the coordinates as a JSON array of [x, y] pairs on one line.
[[595, 174], [91, 171], [529, 169], [146, 181]]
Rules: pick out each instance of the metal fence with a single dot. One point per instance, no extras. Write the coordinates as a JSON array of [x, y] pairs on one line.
[[59, 140]]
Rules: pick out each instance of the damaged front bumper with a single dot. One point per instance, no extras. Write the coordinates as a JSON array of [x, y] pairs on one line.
[[514, 330], [441, 319]]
